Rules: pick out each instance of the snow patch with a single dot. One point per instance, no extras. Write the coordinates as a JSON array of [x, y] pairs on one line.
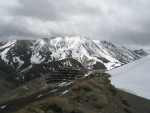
[[20, 62], [86, 75], [39, 96], [4, 55], [26, 87], [65, 92], [133, 77], [54, 90], [65, 84], [9, 43], [36, 58], [2, 107]]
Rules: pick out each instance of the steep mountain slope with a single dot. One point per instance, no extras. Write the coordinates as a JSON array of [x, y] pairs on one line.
[[25, 56], [6, 78], [133, 77], [142, 52]]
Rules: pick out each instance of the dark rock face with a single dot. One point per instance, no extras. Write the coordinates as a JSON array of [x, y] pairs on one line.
[[41, 69], [65, 74], [99, 65], [141, 52]]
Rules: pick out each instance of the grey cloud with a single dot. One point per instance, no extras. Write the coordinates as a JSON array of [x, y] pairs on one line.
[[17, 28], [123, 22], [53, 10], [41, 9]]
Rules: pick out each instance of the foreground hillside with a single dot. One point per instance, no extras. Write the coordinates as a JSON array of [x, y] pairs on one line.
[[133, 77], [7, 82], [91, 93], [85, 96], [32, 58], [88, 95]]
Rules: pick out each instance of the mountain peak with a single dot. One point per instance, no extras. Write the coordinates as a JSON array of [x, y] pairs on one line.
[[92, 54]]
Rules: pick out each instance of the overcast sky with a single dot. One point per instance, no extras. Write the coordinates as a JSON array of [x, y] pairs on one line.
[[123, 22]]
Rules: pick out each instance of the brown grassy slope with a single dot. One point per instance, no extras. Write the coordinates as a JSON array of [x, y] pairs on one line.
[[24, 90], [29, 88], [93, 95], [140, 105]]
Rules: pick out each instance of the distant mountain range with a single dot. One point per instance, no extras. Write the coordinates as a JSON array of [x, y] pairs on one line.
[[27, 59]]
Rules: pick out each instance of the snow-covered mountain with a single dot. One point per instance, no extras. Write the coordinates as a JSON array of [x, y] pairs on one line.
[[133, 77], [27, 57]]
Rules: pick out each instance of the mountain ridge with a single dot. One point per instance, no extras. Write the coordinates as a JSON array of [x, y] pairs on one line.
[[21, 55]]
